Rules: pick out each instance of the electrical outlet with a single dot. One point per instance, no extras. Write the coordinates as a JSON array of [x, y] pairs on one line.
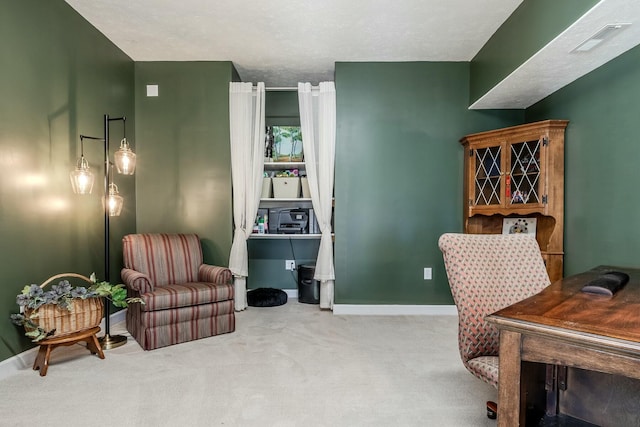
[[427, 273], [290, 264]]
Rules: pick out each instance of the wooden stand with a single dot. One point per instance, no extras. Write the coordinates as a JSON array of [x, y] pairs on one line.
[[47, 346]]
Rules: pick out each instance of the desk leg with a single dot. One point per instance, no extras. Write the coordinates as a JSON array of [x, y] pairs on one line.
[[509, 399]]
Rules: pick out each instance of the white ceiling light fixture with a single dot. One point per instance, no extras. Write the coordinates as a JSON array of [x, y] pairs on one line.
[[605, 33]]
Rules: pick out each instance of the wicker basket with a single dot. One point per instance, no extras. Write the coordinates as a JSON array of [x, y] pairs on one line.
[[84, 313]]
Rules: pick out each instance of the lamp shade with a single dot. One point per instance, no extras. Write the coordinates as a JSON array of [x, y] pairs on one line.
[[113, 201], [81, 177], [125, 159]]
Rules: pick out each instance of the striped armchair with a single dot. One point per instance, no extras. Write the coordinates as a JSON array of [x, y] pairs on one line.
[[184, 299], [488, 272]]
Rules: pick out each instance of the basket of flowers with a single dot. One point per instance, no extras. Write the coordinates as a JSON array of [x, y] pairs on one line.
[[65, 309]]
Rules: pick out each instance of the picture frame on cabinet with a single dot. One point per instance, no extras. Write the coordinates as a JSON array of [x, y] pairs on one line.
[[512, 225]]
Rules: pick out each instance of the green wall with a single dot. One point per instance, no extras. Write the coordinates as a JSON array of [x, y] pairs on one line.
[[531, 26], [267, 261], [398, 179], [281, 108], [59, 76], [184, 176], [601, 163]]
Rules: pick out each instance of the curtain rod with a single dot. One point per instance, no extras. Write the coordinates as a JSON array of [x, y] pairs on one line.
[[280, 88], [283, 89]]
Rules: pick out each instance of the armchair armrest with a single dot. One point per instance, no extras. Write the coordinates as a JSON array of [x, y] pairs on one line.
[[214, 274], [136, 280]]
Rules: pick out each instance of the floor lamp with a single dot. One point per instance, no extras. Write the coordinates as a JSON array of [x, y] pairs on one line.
[[82, 182]]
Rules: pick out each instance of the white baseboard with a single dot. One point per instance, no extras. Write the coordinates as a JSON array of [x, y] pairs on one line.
[[117, 317], [291, 293], [25, 359], [395, 310], [17, 363]]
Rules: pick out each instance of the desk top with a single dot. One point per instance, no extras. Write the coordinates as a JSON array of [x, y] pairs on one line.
[[564, 310]]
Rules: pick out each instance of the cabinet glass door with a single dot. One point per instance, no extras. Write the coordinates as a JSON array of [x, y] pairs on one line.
[[523, 181], [487, 176]]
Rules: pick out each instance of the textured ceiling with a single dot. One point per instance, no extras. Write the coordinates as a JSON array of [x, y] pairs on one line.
[[282, 42]]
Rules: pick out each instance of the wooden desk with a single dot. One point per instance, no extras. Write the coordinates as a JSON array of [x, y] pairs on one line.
[[563, 345]]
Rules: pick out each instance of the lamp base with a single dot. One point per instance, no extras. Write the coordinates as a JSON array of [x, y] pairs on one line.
[[108, 342]]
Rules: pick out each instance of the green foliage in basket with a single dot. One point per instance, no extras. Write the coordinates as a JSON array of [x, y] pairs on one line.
[[33, 297]]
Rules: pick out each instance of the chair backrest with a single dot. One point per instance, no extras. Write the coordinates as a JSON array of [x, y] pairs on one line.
[[488, 272], [165, 258]]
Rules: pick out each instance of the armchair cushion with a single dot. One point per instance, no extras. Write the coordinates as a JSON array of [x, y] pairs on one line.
[[486, 368], [185, 295]]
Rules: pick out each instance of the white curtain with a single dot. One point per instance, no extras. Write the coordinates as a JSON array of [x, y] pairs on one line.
[[247, 131], [318, 125]]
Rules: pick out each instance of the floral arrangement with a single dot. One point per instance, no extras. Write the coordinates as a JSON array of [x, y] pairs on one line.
[[62, 295]]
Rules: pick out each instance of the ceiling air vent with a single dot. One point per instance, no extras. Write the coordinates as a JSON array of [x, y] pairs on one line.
[[605, 33]]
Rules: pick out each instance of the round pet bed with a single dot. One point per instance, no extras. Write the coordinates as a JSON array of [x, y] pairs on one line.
[[266, 297]]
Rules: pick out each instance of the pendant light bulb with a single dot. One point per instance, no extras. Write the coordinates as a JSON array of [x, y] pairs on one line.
[[125, 159], [114, 201], [81, 177]]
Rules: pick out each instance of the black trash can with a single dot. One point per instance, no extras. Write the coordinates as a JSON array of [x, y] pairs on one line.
[[308, 288]]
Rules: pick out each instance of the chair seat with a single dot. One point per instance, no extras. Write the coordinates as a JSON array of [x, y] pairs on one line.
[[185, 295], [486, 368]]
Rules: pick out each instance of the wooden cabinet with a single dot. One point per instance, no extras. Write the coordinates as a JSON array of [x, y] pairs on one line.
[[518, 172]]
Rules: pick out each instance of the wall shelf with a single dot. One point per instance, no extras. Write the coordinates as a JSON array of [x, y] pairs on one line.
[[304, 203], [283, 165], [273, 236]]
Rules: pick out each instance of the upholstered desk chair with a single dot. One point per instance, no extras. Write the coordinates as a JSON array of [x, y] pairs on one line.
[[184, 298], [486, 273]]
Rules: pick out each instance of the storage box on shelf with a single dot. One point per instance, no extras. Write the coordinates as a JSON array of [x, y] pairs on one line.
[[285, 179], [266, 188], [286, 187]]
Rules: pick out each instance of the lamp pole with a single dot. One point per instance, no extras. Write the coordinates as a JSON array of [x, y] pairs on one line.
[[108, 341]]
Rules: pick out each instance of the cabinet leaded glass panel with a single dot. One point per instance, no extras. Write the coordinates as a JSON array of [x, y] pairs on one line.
[[523, 182], [487, 176]]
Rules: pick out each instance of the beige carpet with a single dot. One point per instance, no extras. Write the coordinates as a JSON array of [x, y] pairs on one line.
[[292, 365]]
